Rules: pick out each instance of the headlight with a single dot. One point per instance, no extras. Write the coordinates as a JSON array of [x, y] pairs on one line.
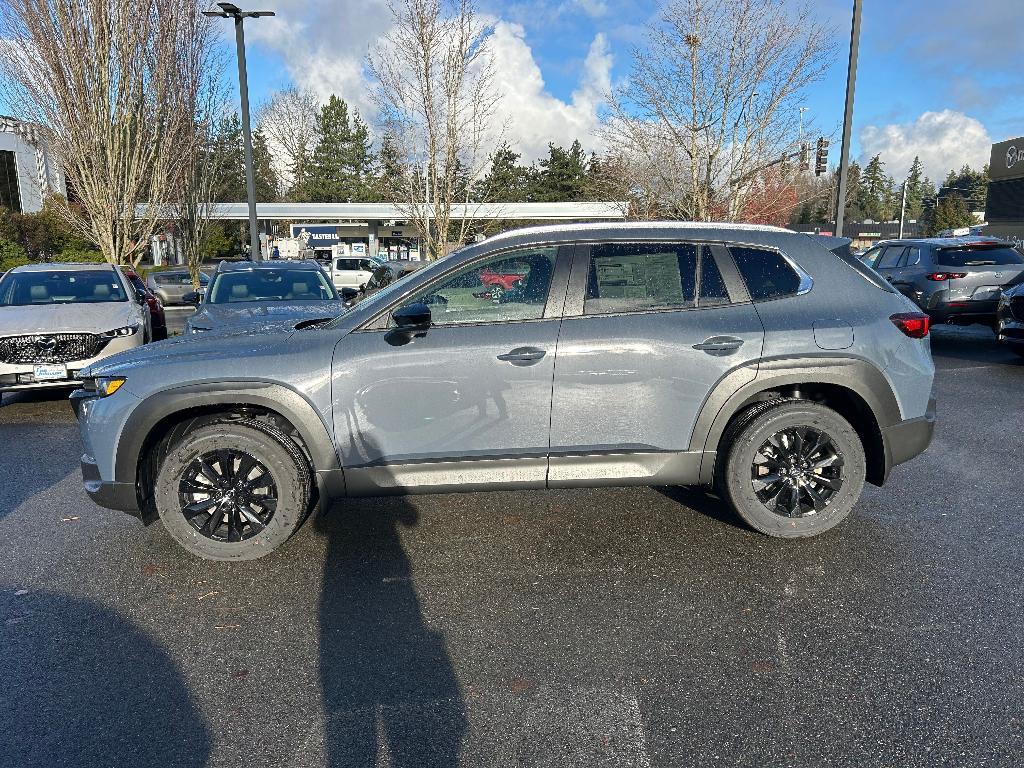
[[104, 386], [128, 330]]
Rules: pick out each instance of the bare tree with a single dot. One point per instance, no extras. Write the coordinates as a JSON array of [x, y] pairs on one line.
[[713, 102], [288, 121], [436, 98], [114, 85]]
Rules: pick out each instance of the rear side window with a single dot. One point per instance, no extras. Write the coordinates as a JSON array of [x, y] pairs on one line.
[[639, 277], [977, 257], [767, 273], [890, 257]]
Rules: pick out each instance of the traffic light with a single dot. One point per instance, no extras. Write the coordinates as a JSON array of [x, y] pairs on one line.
[[821, 157], [805, 157]]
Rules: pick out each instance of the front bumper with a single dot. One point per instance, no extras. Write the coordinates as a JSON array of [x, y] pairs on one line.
[[910, 438], [112, 495], [15, 377]]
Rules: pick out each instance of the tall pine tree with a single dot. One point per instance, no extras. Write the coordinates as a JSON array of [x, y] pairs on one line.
[[562, 175], [340, 167]]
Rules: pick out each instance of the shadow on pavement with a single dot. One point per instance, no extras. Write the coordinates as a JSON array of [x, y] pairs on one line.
[[975, 343], [389, 688], [82, 687], [703, 502]]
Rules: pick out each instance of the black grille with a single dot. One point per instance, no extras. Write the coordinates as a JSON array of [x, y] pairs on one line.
[[1017, 308], [51, 347]]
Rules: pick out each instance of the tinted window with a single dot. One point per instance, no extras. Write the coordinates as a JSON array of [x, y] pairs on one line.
[[10, 198], [868, 257], [271, 285], [351, 264], [137, 283], [767, 274], [634, 277], [22, 289], [976, 257], [911, 257], [506, 287], [890, 257], [712, 286]]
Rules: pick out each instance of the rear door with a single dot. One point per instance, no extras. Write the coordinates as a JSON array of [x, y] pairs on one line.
[[649, 330]]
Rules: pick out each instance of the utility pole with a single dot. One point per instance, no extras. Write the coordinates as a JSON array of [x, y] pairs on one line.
[[851, 83], [903, 208], [232, 11]]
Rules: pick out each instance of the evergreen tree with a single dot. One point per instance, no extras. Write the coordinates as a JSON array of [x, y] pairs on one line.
[[876, 191], [387, 173], [340, 165], [950, 213], [854, 207], [915, 190], [263, 169], [506, 181], [561, 176], [229, 160]]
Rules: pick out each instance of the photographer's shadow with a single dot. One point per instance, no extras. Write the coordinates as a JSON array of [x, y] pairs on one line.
[[390, 692]]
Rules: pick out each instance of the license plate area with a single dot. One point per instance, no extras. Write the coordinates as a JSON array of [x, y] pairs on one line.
[[50, 372]]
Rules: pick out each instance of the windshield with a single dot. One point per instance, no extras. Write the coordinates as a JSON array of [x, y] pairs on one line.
[[976, 257], [95, 286], [270, 285]]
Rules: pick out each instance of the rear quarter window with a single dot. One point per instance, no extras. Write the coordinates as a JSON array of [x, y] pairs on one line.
[[864, 270], [767, 273]]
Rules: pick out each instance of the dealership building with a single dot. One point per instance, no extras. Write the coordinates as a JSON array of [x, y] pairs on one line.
[[1004, 210], [28, 171]]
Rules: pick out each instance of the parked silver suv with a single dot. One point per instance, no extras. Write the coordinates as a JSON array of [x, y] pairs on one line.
[[752, 359], [56, 319]]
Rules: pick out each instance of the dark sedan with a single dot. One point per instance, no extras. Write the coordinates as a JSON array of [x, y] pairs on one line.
[[1010, 319], [256, 294]]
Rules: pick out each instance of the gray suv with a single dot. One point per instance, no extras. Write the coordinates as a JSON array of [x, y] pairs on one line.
[[751, 359], [954, 280], [172, 286]]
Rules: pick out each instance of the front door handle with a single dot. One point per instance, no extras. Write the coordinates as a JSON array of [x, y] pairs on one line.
[[719, 344], [523, 356]]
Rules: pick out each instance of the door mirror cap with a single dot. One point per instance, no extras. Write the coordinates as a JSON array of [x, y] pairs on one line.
[[412, 317], [347, 294], [193, 297], [140, 297]]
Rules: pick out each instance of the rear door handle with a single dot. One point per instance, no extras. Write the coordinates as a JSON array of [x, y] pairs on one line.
[[719, 344], [523, 356]]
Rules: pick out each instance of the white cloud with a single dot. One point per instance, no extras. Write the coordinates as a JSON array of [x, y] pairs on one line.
[[593, 8], [943, 140], [325, 52], [533, 115]]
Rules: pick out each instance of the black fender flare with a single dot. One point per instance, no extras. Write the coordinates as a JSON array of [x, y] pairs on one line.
[[154, 408], [736, 388]]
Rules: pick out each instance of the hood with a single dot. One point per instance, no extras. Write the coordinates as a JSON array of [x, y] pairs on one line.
[[255, 314], [67, 318], [196, 347]]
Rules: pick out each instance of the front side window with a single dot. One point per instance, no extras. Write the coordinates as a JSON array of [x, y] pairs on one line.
[[22, 289], [767, 273], [640, 277], [890, 257], [506, 287], [271, 285]]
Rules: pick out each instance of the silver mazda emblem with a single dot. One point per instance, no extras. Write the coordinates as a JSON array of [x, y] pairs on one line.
[[45, 345]]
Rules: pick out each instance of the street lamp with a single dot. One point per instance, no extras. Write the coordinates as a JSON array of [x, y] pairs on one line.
[[232, 11], [844, 152]]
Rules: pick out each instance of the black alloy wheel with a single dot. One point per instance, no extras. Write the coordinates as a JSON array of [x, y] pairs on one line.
[[797, 471], [227, 495]]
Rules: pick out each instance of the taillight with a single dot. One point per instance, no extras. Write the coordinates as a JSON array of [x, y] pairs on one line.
[[943, 276], [913, 324]]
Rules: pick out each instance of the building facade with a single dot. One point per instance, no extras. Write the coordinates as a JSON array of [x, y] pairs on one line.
[[28, 171], [1004, 210]]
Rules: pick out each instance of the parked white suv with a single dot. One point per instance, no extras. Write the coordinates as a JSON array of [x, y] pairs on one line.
[[56, 319], [350, 272]]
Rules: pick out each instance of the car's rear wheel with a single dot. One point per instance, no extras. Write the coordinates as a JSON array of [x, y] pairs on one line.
[[792, 469], [233, 490]]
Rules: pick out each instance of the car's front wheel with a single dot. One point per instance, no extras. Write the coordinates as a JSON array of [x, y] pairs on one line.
[[792, 469], [233, 490]]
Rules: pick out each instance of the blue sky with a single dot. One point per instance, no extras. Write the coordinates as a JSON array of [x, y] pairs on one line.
[[937, 78]]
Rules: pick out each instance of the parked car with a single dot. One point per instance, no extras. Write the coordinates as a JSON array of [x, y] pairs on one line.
[[389, 272], [250, 294], [172, 285], [56, 319], [1010, 319], [351, 272], [752, 359], [157, 316], [954, 280]]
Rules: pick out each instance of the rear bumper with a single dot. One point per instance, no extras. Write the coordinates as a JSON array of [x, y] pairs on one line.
[[951, 311], [112, 495], [910, 438]]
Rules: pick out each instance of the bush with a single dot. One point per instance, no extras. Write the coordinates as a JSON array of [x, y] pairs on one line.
[[88, 255], [11, 255]]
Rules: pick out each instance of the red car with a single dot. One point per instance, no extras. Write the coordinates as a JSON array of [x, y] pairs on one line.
[[156, 309], [505, 280]]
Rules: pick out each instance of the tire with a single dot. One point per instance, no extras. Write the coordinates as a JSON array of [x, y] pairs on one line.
[[245, 538], [793, 425]]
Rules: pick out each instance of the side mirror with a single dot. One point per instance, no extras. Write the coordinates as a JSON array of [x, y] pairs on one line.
[[140, 297], [414, 318], [348, 294], [192, 297]]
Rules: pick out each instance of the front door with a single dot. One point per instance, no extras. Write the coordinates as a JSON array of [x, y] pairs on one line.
[[468, 403], [657, 327]]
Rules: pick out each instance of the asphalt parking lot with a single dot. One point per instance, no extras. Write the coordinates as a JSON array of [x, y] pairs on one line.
[[608, 627]]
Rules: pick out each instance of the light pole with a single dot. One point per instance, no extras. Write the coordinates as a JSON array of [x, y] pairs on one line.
[[232, 11], [844, 152]]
